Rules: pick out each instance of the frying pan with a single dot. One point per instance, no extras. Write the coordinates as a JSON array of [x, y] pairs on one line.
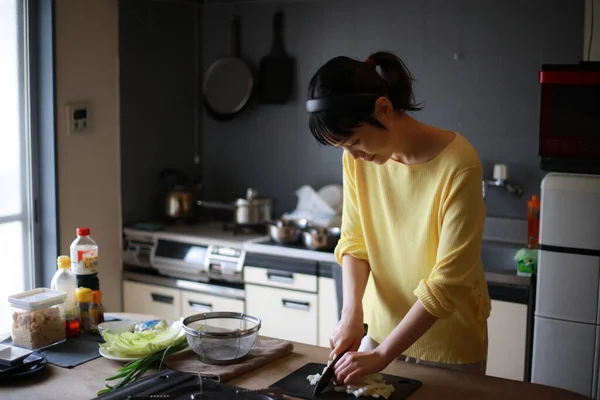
[[229, 81]]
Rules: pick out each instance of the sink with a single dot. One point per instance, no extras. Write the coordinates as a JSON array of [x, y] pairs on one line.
[[499, 264], [499, 256]]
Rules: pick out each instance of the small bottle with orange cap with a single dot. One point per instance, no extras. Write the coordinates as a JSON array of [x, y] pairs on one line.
[[84, 301], [533, 222]]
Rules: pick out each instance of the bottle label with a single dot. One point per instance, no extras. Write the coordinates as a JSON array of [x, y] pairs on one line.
[[84, 262]]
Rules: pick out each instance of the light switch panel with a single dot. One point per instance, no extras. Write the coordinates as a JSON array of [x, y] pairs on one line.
[[78, 118]]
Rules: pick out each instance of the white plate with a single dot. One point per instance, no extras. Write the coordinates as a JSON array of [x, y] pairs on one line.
[[106, 354]]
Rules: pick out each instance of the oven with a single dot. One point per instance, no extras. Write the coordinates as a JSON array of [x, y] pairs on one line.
[[569, 125]]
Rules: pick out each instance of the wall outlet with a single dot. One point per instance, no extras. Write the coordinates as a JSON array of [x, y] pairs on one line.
[[78, 118]]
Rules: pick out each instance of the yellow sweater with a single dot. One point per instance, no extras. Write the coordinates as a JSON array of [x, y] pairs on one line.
[[420, 228]]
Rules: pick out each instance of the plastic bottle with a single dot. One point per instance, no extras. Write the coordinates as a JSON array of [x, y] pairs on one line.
[[96, 309], [533, 222], [84, 260], [66, 281], [84, 301]]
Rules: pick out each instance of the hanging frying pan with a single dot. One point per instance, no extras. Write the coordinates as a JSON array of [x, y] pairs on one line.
[[229, 81]]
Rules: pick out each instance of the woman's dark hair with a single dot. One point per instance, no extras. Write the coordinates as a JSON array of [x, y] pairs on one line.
[[344, 76]]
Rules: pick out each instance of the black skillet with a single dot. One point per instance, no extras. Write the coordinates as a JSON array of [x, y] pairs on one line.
[[229, 81]]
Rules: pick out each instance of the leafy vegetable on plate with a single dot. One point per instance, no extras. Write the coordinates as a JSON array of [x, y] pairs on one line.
[[151, 346]]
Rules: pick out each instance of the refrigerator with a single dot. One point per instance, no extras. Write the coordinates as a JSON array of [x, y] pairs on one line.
[[566, 339]]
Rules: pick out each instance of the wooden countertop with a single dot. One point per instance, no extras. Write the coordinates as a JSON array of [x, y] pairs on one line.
[[84, 381]]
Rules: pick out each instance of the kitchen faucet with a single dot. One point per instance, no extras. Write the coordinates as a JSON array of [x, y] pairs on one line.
[[501, 180]]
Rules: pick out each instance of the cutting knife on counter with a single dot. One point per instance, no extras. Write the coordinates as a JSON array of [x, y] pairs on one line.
[[328, 374]]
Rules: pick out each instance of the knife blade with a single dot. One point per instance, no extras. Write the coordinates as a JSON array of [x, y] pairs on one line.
[[328, 374]]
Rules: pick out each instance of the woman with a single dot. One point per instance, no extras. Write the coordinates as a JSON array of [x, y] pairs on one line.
[[412, 224]]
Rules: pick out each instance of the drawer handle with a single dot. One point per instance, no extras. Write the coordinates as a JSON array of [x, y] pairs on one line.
[[161, 298], [297, 305], [202, 307], [281, 277]]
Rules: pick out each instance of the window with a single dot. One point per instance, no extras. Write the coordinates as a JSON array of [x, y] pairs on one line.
[[16, 199]]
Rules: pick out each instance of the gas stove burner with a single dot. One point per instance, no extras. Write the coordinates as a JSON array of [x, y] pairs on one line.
[[245, 228]]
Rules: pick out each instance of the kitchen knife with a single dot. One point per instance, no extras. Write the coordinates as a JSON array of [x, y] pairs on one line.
[[328, 374]]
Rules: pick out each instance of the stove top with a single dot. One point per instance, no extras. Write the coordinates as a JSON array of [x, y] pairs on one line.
[[176, 385]]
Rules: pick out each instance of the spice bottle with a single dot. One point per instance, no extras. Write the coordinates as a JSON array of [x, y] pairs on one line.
[[64, 280], [96, 310], [84, 301]]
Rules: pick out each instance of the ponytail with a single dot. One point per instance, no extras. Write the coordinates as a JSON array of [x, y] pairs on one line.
[[398, 80]]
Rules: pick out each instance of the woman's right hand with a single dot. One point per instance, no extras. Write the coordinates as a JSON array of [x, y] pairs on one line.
[[347, 335]]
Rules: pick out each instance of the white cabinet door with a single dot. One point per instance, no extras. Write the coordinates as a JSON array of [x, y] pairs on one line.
[[196, 303], [563, 355], [567, 287], [328, 310], [507, 336], [151, 299], [285, 314]]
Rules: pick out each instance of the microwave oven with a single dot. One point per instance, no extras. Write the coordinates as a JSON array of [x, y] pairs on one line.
[[569, 125]]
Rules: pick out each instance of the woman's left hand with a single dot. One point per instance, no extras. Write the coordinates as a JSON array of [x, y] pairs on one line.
[[354, 366]]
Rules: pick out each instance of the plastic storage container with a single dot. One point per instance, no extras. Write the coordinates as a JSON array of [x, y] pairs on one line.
[[37, 320]]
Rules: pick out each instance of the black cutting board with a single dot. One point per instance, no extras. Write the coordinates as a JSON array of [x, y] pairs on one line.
[[296, 384]]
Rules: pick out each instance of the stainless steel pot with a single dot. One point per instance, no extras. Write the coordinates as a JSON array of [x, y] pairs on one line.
[[318, 238], [285, 231], [251, 210]]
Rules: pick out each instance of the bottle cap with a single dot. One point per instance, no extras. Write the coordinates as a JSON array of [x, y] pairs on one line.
[[97, 296], [83, 295], [63, 262], [83, 231], [534, 202]]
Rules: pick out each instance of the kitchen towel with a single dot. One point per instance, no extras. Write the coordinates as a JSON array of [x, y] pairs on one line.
[[264, 352]]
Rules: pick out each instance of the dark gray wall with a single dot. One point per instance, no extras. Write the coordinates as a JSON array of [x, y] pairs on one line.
[[490, 94], [157, 57]]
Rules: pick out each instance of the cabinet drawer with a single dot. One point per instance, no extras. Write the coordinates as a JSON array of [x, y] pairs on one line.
[[196, 303], [151, 299], [285, 314], [280, 278]]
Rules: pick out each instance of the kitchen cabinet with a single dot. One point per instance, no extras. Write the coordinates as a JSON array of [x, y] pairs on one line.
[[173, 303], [281, 278], [151, 299], [285, 314], [328, 310], [282, 291], [507, 338], [194, 303]]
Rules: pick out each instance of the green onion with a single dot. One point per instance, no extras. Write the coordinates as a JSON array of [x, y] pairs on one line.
[[134, 370]]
